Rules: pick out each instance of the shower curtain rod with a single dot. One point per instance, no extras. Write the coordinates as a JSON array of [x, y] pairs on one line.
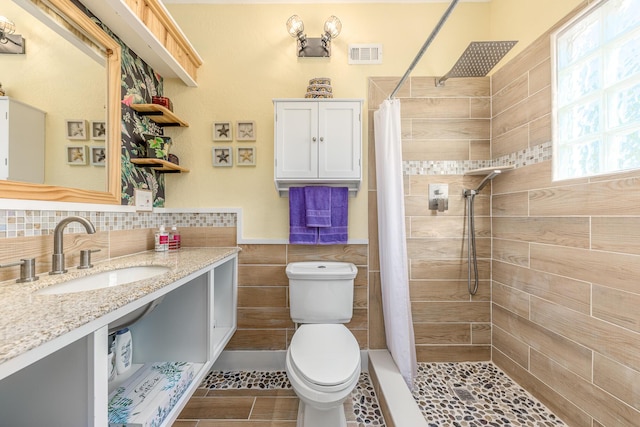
[[425, 46]]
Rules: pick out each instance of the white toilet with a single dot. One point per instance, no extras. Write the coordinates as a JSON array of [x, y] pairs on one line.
[[323, 359]]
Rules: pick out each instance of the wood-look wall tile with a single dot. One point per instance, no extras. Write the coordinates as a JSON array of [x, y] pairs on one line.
[[264, 318], [511, 299], [445, 269], [451, 129], [512, 141], [360, 297], [453, 353], [440, 226], [208, 236], [371, 151], [356, 254], [381, 87], [481, 333], [434, 149], [540, 130], [406, 129], [573, 356], [598, 403], [617, 379], [515, 349], [431, 108], [470, 87], [571, 293], [480, 108], [377, 338], [265, 275], [514, 93], [446, 290], [374, 248], [446, 248], [534, 107], [572, 231], [263, 254], [511, 252], [258, 339], [619, 271], [480, 149], [360, 319], [511, 204], [612, 341], [362, 336], [442, 333], [558, 404], [539, 51], [617, 307], [427, 312], [262, 296], [616, 197], [616, 234], [126, 242], [540, 76]]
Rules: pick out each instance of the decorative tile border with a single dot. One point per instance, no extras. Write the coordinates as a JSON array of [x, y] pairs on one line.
[[26, 223], [528, 156]]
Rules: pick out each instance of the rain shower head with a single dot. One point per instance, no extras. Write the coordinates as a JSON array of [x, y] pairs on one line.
[[478, 59], [488, 178]]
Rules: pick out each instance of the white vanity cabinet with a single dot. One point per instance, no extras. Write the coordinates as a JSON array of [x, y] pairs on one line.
[[318, 141], [22, 141], [69, 385]]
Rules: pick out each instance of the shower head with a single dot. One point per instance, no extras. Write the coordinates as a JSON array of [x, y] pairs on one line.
[[478, 59]]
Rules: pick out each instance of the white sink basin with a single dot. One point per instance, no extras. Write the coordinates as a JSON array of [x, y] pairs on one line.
[[105, 279]]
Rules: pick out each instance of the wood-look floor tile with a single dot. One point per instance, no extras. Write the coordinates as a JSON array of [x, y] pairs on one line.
[[275, 408], [253, 392], [239, 423], [235, 408]]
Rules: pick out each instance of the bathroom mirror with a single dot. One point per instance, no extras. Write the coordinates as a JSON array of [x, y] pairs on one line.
[[77, 28]]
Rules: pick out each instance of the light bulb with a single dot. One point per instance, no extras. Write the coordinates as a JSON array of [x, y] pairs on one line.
[[295, 26], [332, 26]]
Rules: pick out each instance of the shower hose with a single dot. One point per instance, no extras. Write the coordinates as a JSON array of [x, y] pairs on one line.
[[472, 259]]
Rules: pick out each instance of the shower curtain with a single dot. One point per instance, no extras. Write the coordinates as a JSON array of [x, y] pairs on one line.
[[394, 273]]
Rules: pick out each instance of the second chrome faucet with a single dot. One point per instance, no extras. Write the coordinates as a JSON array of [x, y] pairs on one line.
[[57, 261]]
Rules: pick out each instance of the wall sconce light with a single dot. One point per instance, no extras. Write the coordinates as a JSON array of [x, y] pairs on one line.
[[6, 29], [10, 43], [314, 47]]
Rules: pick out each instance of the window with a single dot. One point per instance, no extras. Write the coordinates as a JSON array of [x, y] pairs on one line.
[[596, 90]]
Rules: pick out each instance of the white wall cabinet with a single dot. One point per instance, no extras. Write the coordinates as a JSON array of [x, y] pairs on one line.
[[318, 142], [70, 387], [22, 141]]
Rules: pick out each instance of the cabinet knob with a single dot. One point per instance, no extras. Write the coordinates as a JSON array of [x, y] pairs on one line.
[[313, 139], [321, 138]]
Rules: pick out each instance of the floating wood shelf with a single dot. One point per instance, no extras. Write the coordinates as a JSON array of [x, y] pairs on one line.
[[159, 165], [159, 114]]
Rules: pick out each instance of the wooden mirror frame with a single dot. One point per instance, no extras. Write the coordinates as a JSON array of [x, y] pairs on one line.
[[20, 190]]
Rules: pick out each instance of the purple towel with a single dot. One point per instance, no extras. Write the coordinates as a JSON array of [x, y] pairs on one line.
[[299, 233], [317, 201], [338, 232]]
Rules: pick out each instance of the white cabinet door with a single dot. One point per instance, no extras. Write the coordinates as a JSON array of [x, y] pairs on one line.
[[339, 140], [318, 140], [296, 140]]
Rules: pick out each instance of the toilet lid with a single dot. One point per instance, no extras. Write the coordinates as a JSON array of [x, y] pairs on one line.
[[325, 354]]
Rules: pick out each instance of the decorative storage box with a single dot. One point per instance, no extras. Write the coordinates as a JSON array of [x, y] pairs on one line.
[[145, 399], [162, 100], [157, 146]]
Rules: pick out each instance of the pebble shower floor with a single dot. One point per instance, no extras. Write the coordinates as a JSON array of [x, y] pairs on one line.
[[460, 394]]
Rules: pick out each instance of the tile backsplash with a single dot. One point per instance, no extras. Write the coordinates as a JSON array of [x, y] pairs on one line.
[[27, 223]]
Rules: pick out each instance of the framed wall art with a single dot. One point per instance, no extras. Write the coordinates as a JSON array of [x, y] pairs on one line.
[[246, 156], [246, 131], [76, 155], [76, 129], [98, 156], [222, 131], [98, 130], [222, 156]]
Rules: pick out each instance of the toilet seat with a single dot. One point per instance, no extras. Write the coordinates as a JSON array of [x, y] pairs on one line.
[[326, 356]]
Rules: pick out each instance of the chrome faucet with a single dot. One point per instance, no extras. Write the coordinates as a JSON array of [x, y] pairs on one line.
[[57, 261]]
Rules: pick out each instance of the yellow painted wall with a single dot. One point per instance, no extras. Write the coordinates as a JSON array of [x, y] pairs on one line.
[[249, 59]]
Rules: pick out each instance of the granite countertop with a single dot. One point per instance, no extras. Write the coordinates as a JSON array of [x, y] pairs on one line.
[[29, 320]]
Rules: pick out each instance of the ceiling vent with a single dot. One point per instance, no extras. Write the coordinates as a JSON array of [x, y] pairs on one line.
[[365, 53]]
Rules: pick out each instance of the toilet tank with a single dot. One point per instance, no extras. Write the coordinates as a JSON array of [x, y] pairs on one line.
[[321, 292]]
